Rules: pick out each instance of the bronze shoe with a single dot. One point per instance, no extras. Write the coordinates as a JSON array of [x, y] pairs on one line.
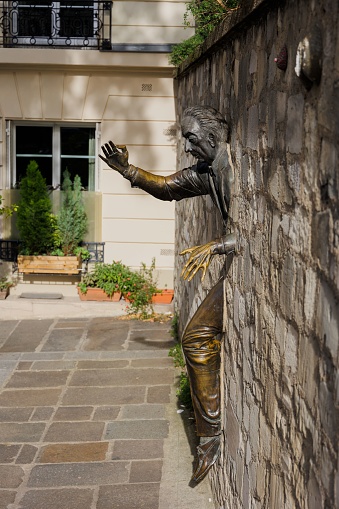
[[207, 455]]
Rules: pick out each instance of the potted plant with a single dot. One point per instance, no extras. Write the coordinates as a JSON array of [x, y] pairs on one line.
[[46, 246], [114, 279], [138, 290], [4, 287], [103, 283], [164, 296]]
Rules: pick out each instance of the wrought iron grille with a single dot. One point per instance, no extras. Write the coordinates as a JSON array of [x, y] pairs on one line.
[[9, 250], [66, 23], [96, 250]]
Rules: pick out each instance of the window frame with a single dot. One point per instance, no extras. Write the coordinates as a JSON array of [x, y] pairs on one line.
[[56, 148], [54, 39]]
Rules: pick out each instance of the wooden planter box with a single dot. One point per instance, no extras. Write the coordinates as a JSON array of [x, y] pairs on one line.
[[99, 295], [163, 297], [49, 264]]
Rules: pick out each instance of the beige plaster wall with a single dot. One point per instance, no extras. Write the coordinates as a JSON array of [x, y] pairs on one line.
[[134, 226], [148, 22]]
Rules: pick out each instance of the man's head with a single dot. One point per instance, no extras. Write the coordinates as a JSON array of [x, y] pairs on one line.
[[203, 128]]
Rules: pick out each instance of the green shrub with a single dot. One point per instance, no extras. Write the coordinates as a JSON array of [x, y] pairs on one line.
[[184, 390], [72, 218], [35, 220]]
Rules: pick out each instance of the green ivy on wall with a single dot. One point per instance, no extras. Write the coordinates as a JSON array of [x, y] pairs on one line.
[[207, 15]]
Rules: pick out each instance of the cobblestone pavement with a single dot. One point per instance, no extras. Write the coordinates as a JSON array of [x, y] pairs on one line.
[[88, 417]]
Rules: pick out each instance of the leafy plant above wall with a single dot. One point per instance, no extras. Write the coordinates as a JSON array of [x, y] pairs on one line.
[[207, 15]]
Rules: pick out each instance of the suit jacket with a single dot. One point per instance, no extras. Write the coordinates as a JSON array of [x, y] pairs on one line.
[[200, 179]]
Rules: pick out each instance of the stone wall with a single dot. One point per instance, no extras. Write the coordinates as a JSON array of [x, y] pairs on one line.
[[280, 356]]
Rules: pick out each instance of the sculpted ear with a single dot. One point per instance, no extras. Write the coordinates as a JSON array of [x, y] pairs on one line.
[[211, 140]]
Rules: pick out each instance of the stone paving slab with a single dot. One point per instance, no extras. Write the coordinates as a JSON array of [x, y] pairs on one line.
[[85, 420]]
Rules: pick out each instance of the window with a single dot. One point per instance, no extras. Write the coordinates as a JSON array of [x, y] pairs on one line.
[[55, 148], [64, 22]]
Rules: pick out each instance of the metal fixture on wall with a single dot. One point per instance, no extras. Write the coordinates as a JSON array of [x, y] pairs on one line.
[[309, 57], [282, 58]]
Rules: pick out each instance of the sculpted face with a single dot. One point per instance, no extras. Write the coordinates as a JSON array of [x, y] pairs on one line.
[[198, 142]]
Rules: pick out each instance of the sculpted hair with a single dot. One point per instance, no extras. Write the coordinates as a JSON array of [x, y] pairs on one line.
[[210, 120]]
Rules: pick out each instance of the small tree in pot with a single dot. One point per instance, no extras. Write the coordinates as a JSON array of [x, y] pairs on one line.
[[72, 218], [50, 243], [35, 221]]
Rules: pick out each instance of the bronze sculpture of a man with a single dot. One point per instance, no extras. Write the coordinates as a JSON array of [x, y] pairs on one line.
[[206, 138]]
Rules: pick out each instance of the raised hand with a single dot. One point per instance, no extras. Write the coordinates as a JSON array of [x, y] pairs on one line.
[[200, 259], [116, 157]]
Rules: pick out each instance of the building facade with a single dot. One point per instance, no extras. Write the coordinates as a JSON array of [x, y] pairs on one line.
[[75, 75]]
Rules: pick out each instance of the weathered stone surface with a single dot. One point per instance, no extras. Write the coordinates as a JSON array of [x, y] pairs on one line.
[[6, 498], [38, 379], [8, 452], [74, 453], [121, 377], [26, 336], [78, 431], [103, 396], [159, 394], [136, 429], [73, 413], [78, 474], [106, 334], [145, 471], [58, 499], [10, 476], [281, 352], [143, 412], [29, 397], [21, 432], [27, 454], [58, 341], [131, 496], [137, 449]]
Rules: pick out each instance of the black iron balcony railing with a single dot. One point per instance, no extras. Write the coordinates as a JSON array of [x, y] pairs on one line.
[[66, 23]]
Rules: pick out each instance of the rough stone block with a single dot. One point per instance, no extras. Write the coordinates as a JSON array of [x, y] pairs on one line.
[[291, 349], [27, 454], [130, 496], [327, 320], [252, 128], [58, 499], [136, 430], [103, 395], [320, 237], [11, 476], [74, 431], [37, 379], [78, 474], [137, 449], [294, 127], [74, 453], [21, 432], [8, 453], [146, 471]]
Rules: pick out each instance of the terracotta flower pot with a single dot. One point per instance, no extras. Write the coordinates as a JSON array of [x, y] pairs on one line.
[[163, 297], [97, 294]]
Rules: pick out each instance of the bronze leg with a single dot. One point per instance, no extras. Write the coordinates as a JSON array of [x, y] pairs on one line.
[[202, 353]]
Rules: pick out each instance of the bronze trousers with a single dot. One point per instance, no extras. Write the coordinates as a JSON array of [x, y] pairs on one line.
[[201, 348]]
